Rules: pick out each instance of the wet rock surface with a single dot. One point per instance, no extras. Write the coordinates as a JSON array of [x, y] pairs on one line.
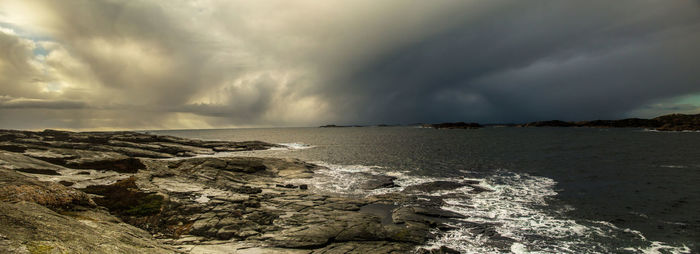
[[139, 193]]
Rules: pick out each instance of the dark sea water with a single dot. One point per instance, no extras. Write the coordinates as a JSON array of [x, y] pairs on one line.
[[555, 190]]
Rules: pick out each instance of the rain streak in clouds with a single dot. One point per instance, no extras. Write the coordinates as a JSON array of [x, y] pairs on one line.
[[206, 64]]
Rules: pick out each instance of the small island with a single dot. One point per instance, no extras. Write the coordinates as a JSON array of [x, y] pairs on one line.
[[333, 126]]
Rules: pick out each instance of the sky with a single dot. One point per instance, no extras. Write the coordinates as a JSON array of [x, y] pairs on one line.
[[105, 64]]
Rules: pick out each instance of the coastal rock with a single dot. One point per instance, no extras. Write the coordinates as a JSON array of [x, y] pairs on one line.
[[367, 247], [85, 159], [47, 217], [137, 152], [377, 182], [476, 189], [28, 227], [15, 187], [441, 250], [131, 144], [342, 227], [20, 162], [202, 204], [126, 199], [679, 122]]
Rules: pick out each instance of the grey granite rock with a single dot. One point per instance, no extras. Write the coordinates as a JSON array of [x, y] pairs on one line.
[[200, 205]]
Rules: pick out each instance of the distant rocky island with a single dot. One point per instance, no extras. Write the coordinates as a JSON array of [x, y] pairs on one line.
[[345, 126], [336, 126], [457, 125], [672, 122], [128, 192]]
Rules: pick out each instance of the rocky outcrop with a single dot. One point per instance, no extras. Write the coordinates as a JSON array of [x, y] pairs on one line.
[[679, 122], [377, 181], [28, 227], [15, 187], [140, 193], [130, 144]]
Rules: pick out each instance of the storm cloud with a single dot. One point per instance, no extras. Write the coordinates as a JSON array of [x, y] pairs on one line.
[[204, 64]]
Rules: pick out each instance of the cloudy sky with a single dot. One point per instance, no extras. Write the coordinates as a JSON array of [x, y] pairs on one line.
[[103, 64]]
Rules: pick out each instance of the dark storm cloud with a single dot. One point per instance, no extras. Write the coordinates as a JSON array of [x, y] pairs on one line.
[[208, 63], [536, 60]]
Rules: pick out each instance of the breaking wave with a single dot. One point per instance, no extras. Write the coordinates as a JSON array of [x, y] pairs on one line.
[[292, 146], [514, 215]]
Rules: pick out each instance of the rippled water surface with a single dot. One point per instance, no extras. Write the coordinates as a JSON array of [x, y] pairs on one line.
[[553, 189]]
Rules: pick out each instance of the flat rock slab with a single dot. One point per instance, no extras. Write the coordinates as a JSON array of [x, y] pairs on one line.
[[17, 161]]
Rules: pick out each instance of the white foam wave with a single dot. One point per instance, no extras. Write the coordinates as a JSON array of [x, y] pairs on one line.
[[341, 179], [348, 179], [674, 166], [515, 208], [292, 146], [683, 131], [284, 147], [512, 208], [660, 247]]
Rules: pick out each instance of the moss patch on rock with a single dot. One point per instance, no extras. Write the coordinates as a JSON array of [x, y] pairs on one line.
[[148, 205], [124, 198]]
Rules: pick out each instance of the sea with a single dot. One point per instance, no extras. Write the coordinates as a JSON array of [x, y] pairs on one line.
[[552, 190]]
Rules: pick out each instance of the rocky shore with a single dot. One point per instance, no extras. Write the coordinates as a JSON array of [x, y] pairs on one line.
[[127, 192]]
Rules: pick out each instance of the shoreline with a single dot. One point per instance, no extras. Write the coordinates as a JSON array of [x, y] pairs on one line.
[[152, 193]]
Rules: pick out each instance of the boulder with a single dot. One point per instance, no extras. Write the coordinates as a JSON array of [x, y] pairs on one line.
[[377, 181]]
